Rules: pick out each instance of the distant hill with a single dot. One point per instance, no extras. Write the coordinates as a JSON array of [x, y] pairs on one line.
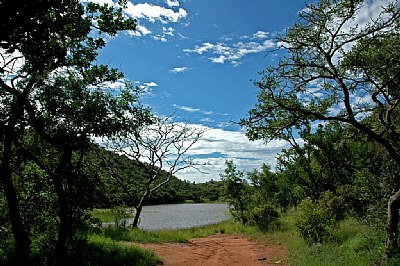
[[134, 176]]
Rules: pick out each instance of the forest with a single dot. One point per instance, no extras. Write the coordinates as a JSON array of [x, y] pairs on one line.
[[71, 143]]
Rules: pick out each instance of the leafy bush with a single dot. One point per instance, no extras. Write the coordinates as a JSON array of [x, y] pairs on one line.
[[264, 216], [121, 216], [316, 223], [335, 203]]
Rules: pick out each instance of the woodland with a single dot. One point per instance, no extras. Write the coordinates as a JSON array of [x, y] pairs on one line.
[[70, 143]]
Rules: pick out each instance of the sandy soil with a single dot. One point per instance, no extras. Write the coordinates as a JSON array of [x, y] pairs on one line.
[[221, 249]]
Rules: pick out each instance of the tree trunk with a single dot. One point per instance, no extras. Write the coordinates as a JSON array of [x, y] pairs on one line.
[[63, 172], [64, 231], [392, 232], [137, 214], [21, 237]]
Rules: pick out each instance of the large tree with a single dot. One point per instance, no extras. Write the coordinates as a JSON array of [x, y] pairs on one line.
[[50, 84], [338, 65], [161, 149]]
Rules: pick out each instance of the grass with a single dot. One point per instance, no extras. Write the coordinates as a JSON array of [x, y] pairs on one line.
[[104, 215], [353, 244], [105, 251], [179, 235]]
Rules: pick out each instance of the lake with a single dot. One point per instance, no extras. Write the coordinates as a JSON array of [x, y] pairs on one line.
[[175, 216]]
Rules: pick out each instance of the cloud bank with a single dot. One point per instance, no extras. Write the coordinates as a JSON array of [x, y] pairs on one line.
[[157, 17], [218, 145]]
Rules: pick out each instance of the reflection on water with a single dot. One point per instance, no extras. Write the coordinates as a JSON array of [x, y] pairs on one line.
[[174, 216]]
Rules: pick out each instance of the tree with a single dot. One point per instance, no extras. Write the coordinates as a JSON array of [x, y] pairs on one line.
[[161, 148], [237, 191], [328, 73], [50, 84], [265, 182]]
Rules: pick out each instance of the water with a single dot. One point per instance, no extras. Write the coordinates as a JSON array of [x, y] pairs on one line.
[[175, 216]]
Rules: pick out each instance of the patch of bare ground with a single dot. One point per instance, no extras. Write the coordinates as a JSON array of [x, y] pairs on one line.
[[220, 249]]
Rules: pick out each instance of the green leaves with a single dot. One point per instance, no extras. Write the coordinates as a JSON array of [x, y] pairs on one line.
[[62, 98], [316, 79], [316, 223]]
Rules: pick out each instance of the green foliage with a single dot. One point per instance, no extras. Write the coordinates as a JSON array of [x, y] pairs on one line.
[[264, 217], [141, 236], [103, 215], [335, 204], [104, 251], [321, 78], [179, 235], [353, 243], [237, 191], [316, 223], [121, 214], [50, 113], [134, 174]]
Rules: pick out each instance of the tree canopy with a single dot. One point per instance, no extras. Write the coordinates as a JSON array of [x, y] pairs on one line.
[[54, 99], [335, 67]]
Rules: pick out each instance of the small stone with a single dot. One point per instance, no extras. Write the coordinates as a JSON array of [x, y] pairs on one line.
[[262, 258]]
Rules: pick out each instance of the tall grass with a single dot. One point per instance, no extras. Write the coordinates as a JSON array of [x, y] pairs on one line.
[[179, 235], [105, 251], [104, 215], [353, 243]]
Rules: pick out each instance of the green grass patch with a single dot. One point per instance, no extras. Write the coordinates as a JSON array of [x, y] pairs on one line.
[[105, 251], [104, 215], [180, 235], [353, 243]]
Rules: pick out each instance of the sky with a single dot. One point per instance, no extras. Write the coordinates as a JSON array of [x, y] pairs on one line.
[[197, 60]]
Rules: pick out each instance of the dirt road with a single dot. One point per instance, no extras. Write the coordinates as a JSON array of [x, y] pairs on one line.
[[220, 249]]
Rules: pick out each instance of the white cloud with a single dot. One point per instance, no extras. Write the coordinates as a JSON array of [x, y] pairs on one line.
[[150, 84], [101, 2], [260, 35], [164, 34], [120, 83], [218, 145], [140, 31], [145, 13], [201, 49], [177, 70], [172, 3], [160, 38], [154, 13], [233, 53], [193, 110]]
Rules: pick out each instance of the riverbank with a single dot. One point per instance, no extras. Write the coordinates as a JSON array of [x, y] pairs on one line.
[[225, 243], [352, 243]]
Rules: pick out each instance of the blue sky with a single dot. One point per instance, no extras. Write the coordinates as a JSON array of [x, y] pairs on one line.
[[196, 60]]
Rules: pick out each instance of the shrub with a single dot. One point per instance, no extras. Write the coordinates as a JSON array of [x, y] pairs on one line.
[[121, 216], [316, 223], [335, 203], [264, 216]]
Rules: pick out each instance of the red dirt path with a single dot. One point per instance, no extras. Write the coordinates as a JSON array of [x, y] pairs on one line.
[[220, 249]]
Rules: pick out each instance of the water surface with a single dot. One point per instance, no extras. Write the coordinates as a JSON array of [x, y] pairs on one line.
[[176, 216]]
